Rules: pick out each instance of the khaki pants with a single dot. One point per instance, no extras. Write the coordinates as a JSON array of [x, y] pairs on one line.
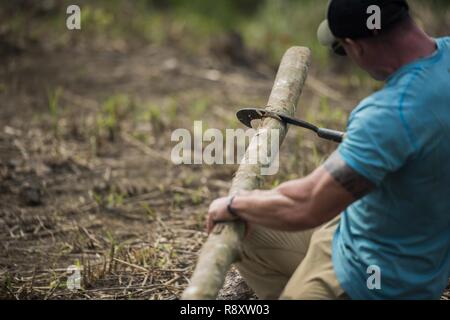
[[284, 265]]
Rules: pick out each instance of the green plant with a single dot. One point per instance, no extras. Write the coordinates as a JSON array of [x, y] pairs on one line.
[[197, 197], [53, 107], [152, 214], [114, 199], [199, 107], [113, 111], [155, 117], [172, 109], [96, 197]]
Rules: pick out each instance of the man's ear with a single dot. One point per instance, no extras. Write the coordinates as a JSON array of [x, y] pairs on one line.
[[356, 48]]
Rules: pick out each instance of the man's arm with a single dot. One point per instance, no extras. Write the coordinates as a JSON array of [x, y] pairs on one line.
[[350, 180], [299, 204]]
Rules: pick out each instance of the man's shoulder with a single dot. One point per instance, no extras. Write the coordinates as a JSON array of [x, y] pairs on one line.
[[374, 116], [404, 94], [407, 95], [379, 102], [386, 113]]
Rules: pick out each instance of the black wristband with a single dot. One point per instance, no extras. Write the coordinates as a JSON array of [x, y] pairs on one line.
[[230, 208]]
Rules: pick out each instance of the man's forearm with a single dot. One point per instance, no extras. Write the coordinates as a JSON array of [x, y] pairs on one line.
[[284, 208], [295, 205]]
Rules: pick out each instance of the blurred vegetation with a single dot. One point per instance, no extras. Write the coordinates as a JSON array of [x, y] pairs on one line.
[[268, 26], [250, 31]]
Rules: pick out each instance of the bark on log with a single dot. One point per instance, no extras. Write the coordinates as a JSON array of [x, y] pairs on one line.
[[222, 246]]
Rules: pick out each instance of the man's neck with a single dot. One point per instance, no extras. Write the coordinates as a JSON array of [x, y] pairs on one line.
[[409, 47], [417, 45]]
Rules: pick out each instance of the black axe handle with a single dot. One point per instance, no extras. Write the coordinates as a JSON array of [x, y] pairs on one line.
[[246, 116]]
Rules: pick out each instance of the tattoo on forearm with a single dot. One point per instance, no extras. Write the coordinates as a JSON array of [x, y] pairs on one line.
[[348, 178]]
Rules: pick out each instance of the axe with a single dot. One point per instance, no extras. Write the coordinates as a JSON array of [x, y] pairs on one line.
[[247, 115]]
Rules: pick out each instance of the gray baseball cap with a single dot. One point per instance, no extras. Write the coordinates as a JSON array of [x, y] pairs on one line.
[[326, 38]]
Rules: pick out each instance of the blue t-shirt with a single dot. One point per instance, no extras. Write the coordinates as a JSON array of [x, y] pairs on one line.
[[399, 138]]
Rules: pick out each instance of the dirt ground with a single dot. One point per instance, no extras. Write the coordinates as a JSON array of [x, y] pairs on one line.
[[83, 185]]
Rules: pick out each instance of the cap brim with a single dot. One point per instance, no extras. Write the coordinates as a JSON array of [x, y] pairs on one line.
[[326, 38]]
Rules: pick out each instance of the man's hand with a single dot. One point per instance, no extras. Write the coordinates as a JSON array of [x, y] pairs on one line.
[[218, 212]]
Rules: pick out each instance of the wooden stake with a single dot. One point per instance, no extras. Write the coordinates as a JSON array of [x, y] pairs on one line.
[[222, 247]]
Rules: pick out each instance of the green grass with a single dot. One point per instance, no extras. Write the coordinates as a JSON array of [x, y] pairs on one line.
[[54, 108], [114, 110]]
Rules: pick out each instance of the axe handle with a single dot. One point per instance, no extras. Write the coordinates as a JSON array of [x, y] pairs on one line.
[[333, 135]]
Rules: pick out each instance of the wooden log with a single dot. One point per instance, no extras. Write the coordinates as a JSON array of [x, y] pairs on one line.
[[222, 246]]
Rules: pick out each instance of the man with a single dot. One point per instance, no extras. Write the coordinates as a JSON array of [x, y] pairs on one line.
[[373, 222]]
